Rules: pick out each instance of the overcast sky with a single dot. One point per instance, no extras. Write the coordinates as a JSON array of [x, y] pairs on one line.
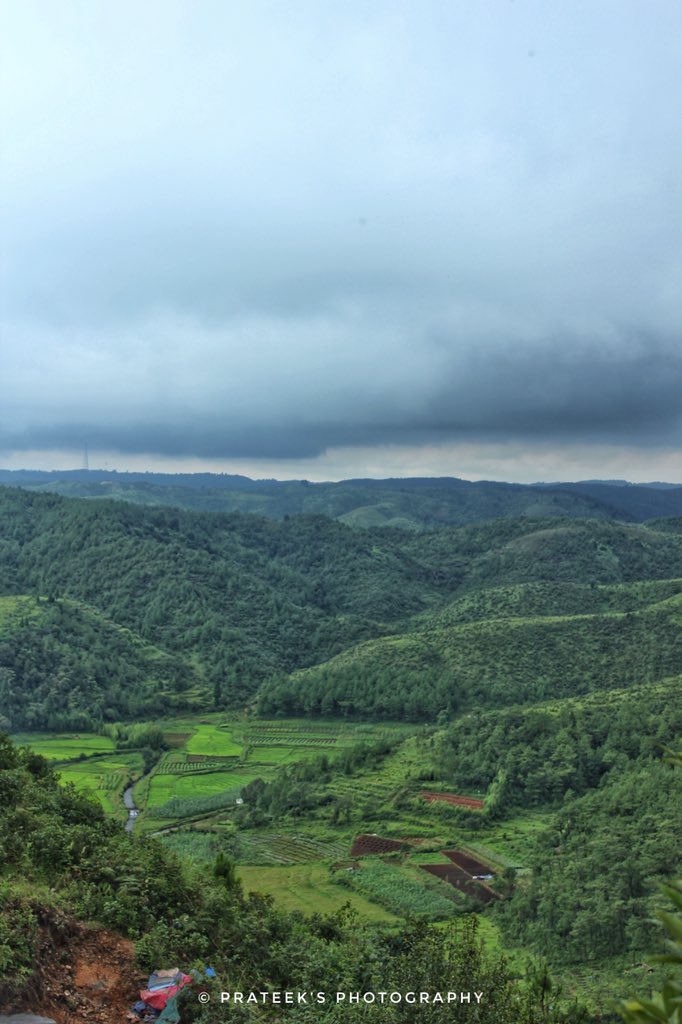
[[338, 238]]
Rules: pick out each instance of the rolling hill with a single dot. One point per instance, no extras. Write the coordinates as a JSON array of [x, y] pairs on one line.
[[406, 503], [316, 617]]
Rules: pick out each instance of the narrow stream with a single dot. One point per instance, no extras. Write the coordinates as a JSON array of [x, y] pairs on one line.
[[131, 808]]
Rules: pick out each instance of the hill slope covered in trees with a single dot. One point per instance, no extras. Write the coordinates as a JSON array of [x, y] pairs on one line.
[[317, 617]]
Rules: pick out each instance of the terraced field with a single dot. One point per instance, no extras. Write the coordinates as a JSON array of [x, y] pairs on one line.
[[163, 787], [282, 848], [104, 778]]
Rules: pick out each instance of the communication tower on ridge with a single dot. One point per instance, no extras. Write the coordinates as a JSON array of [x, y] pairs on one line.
[[86, 460]]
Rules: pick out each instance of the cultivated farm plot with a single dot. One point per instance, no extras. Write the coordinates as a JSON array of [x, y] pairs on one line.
[[400, 890], [163, 787], [105, 778], [311, 889], [64, 746], [302, 726], [273, 848], [290, 739], [365, 844], [279, 755], [471, 803], [212, 739], [178, 763]]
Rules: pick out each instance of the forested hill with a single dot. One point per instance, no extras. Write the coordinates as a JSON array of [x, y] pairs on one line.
[[406, 503], [211, 609]]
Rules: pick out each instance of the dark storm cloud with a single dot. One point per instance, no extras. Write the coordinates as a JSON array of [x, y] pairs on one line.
[[566, 394], [268, 230]]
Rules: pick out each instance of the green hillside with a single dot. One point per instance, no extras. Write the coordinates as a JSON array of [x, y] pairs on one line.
[[324, 619], [489, 663], [552, 599], [64, 665], [407, 504]]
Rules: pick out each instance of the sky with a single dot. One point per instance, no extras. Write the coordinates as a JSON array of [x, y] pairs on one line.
[[329, 238]]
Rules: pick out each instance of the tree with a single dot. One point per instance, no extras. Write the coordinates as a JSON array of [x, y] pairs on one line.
[[664, 1007]]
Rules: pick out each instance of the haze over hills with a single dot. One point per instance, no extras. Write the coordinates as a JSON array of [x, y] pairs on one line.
[[410, 502]]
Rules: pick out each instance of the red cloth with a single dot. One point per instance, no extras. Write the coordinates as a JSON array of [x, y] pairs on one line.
[[158, 999]]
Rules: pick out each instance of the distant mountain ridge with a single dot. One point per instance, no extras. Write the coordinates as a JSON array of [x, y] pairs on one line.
[[403, 502]]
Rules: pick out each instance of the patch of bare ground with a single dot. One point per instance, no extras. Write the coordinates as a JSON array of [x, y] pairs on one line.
[[82, 974]]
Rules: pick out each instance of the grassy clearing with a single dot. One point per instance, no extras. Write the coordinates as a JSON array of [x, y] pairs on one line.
[[65, 746], [310, 889], [212, 739]]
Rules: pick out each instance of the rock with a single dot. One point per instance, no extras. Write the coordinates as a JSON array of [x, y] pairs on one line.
[[25, 1018]]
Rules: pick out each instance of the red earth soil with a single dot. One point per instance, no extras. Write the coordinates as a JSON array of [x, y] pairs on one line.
[[453, 798], [89, 977], [470, 864], [365, 844], [461, 880]]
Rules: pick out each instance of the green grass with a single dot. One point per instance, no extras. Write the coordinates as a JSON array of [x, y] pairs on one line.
[[212, 739], [64, 746], [163, 788], [310, 889], [400, 891], [105, 778]]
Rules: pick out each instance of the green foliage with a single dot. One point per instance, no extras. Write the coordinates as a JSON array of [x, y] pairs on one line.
[[64, 666], [61, 846], [530, 757], [150, 608], [404, 503], [591, 894], [224, 870], [664, 1007], [400, 892]]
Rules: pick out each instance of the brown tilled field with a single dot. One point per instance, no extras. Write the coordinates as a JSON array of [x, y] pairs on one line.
[[364, 845], [470, 864], [461, 880], [470, 802]]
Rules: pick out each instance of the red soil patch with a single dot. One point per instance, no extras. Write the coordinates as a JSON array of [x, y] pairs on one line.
[[470, 864], [455, 799], [365, 845], [461, 880], [87, 976]]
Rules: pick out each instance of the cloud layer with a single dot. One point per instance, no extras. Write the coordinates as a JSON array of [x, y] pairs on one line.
[[265, 230]]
